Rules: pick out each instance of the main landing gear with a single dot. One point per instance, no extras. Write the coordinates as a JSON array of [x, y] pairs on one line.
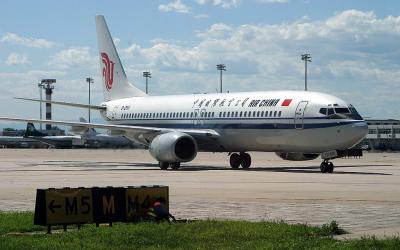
[[326, 166], [242, 159], [165, 165]]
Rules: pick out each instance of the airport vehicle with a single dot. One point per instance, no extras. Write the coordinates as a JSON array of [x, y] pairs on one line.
[[297, 125]]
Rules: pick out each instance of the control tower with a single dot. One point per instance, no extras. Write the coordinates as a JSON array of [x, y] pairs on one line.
[[48, 85]]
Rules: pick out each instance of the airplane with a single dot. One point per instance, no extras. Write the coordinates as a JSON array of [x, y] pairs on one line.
[[19, 142], [297, 125], [58, 141], [89, 138]]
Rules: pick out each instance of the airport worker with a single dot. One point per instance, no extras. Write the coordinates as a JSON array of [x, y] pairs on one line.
[[159, 212]]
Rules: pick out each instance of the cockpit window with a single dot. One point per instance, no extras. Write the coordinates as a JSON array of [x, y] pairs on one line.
[[322, 111], [355, 115], [342, 111]]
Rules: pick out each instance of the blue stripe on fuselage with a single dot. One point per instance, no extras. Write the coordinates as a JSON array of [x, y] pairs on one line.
[[243, 125]]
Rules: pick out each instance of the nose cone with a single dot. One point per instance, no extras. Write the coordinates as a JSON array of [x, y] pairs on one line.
[[355, 132]]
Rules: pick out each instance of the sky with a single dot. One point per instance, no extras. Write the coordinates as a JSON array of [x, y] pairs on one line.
[[354, 47]]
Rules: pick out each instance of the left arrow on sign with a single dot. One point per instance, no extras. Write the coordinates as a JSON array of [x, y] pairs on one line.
[[52, 206]]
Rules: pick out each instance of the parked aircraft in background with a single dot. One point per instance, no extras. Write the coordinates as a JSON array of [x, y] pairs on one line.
[[297, 125], [90, 138]]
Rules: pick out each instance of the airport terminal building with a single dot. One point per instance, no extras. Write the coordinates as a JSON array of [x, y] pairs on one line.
[[383, 135]]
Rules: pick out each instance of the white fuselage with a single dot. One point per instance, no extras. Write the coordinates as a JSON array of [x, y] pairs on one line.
[[280, 121]]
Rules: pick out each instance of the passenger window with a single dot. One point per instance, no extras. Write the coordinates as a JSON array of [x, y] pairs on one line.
[[258, 113], [275, 113], [236, 114], [254, 113], [223, 114], [262, 113], [280, 113], [270, 113], [240, 114]]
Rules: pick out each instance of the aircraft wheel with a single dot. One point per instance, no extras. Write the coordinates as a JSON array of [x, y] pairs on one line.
[[175, 165], [330, 167], [245, 160], [235, 161], [323, 167], [163, 165]]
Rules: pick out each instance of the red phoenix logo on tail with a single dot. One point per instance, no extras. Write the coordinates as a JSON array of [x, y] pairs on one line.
[[108, 71]]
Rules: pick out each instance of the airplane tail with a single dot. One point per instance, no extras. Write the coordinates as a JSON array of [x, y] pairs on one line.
[[31, 131], [115, 82]]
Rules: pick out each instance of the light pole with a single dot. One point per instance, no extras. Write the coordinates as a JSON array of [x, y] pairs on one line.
[[89, 80], [221, 67], [306, 58], [40, 86], [147, 74]]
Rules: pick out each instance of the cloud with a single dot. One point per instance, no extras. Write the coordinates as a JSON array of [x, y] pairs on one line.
[[226, 4], [201, 16], [116, 41], [17, 59], [218, 30], [26, 41], [175, 6], [73, 57], [272, 1], [353, 51]]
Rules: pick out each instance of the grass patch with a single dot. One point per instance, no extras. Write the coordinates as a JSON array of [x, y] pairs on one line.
[[206, 234]]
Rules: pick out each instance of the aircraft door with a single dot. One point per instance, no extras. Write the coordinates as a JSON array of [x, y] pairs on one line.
[[198, 116], [299, 115], [114, 113]]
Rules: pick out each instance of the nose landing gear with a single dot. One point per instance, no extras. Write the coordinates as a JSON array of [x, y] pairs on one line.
[[326, 166]]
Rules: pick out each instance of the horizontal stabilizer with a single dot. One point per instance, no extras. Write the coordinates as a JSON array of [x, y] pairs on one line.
[[76, 105]]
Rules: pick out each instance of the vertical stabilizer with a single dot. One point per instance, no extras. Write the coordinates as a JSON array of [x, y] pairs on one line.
[[31, 131], [115, 82]]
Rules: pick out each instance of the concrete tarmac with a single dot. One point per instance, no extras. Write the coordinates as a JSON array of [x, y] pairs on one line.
[[362, 195]]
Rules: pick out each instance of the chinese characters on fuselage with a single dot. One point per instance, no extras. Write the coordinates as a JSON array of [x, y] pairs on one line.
[[209, 103]]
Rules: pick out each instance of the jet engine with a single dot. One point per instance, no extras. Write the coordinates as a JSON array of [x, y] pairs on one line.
[[173, 147], [297, 156]]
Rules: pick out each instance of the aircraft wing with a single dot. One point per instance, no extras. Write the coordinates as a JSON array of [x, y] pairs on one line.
[[76, 105], [140, 133]]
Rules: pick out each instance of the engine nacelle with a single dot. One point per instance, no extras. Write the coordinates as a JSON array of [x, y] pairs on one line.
[[297, 156], [173, 147]]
